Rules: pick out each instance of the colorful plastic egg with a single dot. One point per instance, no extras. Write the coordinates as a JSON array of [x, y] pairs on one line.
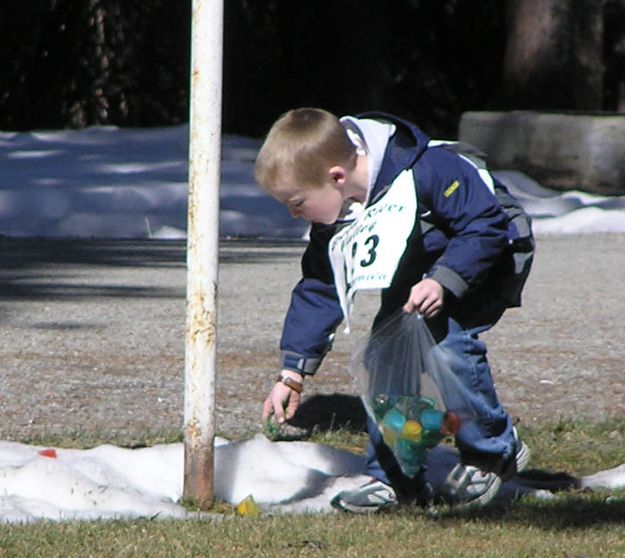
[[411, 456], [432, 420], [380, 404], [389, 435], [412, 431], [451, 424], [394, 420]]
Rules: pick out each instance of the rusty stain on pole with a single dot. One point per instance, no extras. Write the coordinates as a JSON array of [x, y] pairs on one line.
[[202, 250]]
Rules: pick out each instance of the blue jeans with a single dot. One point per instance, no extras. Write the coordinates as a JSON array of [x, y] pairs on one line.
[[485, 442]]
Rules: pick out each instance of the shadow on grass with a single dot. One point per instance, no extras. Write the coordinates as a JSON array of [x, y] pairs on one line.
[[566, 510], [330, 413]]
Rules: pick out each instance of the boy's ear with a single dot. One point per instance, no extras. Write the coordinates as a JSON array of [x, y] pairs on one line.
[[338, 175]]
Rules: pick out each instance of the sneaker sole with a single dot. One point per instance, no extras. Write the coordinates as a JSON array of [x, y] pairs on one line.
[[486, 497], [522, 460], [456, 486], [342, 506]]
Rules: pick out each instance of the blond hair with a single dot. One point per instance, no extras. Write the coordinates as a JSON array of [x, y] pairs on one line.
[[303, 144]]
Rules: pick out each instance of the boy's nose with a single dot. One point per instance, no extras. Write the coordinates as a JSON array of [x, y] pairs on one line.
[[294, 212]]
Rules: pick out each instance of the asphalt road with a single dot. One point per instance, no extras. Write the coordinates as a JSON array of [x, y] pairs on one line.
[[92, 337]]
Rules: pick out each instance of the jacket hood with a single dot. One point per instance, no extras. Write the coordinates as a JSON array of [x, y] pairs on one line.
[[406, 146]]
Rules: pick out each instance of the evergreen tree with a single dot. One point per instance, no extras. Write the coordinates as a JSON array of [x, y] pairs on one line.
[[77, 63]]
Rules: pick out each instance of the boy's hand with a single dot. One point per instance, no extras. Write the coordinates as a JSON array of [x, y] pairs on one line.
[[282, 400], [426, 297]]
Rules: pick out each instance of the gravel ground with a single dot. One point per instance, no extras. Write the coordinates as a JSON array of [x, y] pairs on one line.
[[93, 337]]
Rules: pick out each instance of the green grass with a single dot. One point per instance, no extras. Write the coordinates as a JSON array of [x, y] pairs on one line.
[[570, 525]]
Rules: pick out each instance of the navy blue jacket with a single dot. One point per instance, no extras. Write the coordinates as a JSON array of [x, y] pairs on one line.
[[463, 248]]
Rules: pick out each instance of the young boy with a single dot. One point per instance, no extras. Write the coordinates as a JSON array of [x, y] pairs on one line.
[[438, 235]]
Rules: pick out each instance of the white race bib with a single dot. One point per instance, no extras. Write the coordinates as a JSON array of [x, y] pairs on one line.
[[366, 253]]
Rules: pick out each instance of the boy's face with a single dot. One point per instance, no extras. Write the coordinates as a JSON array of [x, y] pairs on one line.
[[321, 204]]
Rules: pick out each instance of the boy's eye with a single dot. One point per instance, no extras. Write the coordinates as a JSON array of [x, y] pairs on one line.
[[297, 203]]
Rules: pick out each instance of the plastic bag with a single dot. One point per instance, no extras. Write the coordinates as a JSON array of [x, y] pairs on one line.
[[408, 389]]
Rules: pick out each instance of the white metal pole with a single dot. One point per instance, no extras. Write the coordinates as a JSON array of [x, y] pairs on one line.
[[202, 249]]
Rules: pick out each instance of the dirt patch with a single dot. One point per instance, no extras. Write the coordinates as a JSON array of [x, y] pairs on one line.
[[93, 338]]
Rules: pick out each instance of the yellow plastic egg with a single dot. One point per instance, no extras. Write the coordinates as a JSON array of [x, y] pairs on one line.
[[389, 435], [412, 431]]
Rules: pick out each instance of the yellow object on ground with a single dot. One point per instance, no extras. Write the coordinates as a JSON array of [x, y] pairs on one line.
[[248, 507]]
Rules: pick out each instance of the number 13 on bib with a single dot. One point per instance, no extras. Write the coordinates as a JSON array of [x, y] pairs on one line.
[[365, 254]]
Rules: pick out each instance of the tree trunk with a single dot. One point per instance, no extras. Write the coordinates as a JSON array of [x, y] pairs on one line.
[[614, 55], [553, 57]]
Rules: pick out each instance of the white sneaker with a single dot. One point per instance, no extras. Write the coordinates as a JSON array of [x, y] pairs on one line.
[[371, 497], [470, 486]]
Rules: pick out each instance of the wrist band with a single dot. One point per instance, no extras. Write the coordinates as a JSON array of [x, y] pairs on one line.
[[291, 383]]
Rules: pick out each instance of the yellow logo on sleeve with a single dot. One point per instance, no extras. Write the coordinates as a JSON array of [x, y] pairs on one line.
[[452, 188]]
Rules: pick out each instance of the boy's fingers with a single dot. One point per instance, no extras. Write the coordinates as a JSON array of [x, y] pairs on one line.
[[272, 405], [292, 405], [414, 302], [282, 402], [279, 414], [278, 400], [277, 409], [426, 297], [267, 409], [428, 306]]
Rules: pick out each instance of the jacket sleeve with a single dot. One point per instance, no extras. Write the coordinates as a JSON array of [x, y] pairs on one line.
[[467, 212], [314, 312]]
